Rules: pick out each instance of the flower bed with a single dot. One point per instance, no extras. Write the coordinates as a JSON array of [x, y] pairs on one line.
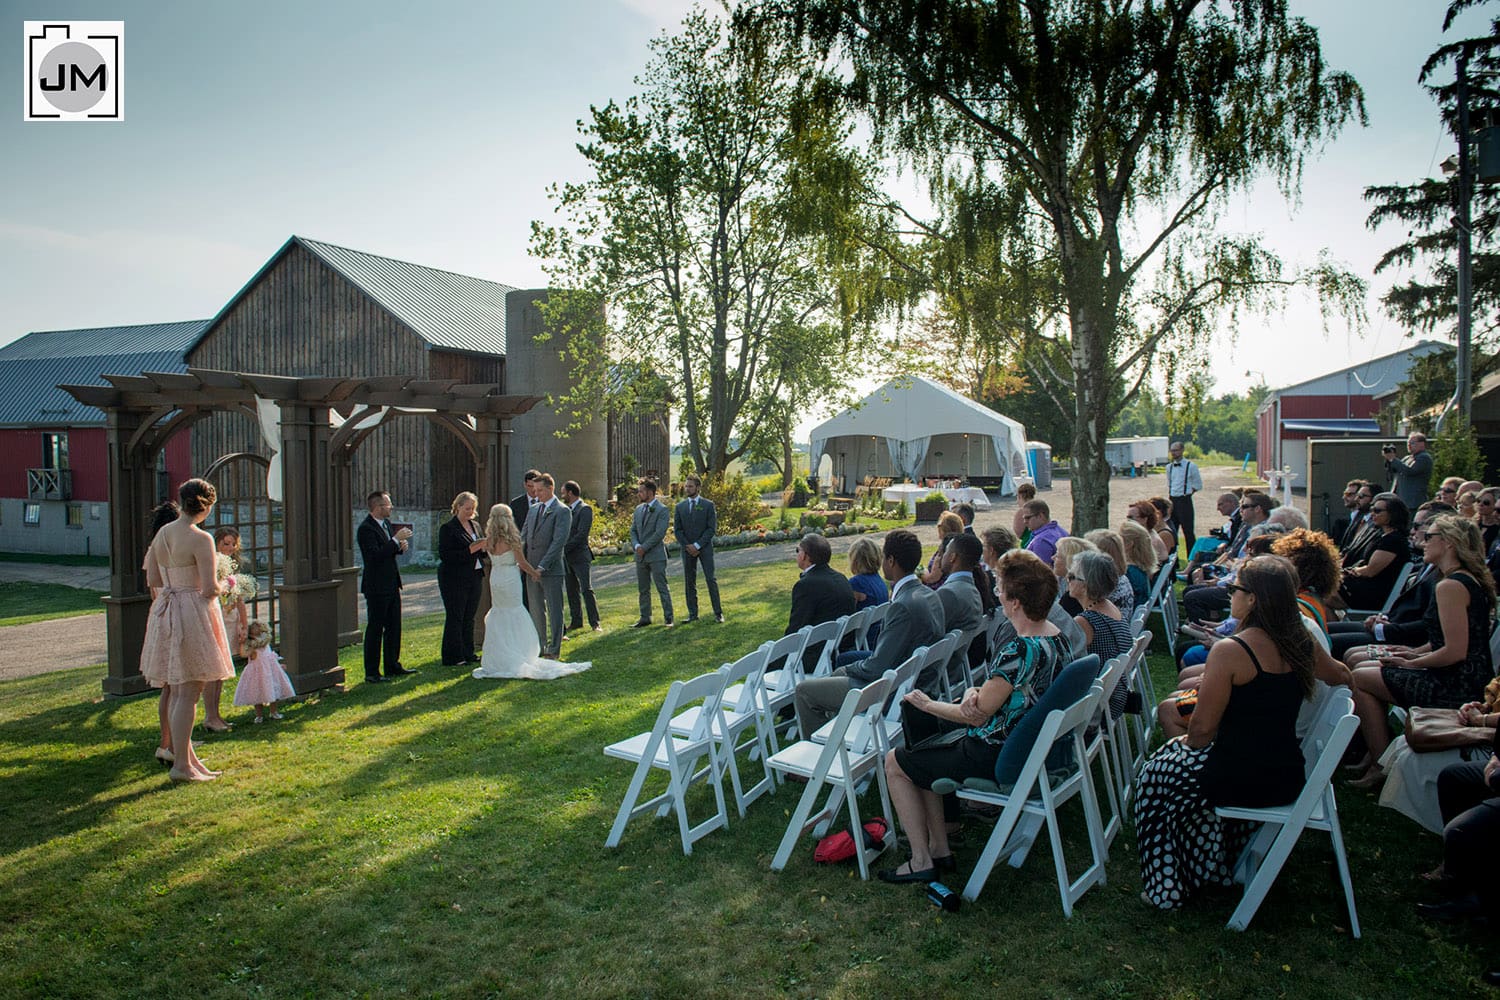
[[741, 539]]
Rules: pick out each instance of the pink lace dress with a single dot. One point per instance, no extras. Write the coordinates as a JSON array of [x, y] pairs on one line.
[[263, 681], [185, 639]]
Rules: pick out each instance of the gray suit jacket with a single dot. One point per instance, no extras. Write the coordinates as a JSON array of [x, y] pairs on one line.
[[696, 527], [1409, 477], [915, 619], [577, 546], [545, 534], [962, 610], [648, 526]]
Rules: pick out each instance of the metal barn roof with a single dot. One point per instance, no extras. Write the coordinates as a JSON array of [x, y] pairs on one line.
[[33, 367], [449, 311]]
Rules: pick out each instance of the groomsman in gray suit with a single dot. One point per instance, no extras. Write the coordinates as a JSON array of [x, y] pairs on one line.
[[544, 536], [579, 559], [695, 522], [648, 528]]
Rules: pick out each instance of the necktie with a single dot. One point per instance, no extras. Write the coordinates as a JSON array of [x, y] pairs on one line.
[[386, 524]]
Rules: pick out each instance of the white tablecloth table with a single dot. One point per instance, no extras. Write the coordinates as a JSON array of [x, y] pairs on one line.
[[909, 493]]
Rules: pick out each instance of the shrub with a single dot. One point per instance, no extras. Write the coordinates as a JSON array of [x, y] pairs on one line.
[[936, 496], [736, 501], [611, 526], [799, 492], [815, 521], [1455, 452]]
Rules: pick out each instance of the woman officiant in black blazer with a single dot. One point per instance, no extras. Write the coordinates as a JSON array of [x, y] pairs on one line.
[[461, 562]]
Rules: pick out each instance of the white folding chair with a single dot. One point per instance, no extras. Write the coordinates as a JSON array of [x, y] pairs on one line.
[[854, 625], [780, 683], [934, 670], [841, 767], [873, 615], [903, 679], [824, 638], [1164, 600], [1138, 620], [1138, 680], [1034, 800], [1390, 600], [963, 643], [678, 756], [741, 711], [1102, 742], [1316, 807]]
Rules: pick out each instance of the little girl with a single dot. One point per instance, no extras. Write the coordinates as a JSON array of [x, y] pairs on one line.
[[262, 682]]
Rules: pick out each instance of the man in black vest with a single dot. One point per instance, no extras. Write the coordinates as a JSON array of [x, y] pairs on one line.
[[380, 582]]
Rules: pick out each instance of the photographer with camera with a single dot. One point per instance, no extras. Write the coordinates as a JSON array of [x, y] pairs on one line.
[[1409, 475]]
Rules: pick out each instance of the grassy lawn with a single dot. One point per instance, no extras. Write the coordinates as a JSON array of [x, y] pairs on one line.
[[441, 836], [34, 602]]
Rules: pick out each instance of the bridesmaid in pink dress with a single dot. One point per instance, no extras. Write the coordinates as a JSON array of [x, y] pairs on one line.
[[186, 646]]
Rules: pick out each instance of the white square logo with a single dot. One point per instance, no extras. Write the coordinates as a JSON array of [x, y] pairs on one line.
[[75, 71]]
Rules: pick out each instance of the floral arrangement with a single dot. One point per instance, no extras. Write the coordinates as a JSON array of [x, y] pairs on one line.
[[241, 585]]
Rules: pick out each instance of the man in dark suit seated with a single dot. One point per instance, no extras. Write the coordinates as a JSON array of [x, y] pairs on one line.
[[379, 545], [915, 619], [963, 608], [821, 594]]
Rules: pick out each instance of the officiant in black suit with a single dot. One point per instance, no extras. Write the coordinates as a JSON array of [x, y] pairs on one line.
[[461, 568], [380, 545]]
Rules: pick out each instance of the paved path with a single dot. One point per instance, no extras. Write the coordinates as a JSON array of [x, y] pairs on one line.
[[41, 647]]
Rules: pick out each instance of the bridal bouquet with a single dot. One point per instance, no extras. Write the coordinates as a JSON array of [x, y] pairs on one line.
[[241, 585]]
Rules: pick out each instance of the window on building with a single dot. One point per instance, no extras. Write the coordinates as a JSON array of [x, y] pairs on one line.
[[31, 514], [55, 450], [75, 515]]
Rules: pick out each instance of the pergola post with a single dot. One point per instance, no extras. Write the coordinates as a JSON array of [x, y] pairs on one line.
[[132, 492], [309, 592], [345, 572]]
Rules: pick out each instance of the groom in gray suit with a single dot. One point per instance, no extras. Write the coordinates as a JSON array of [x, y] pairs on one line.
[[648, 529], [544, 535], [695, 522]]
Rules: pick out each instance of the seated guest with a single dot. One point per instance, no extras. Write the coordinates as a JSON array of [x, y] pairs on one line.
[[1289, 517], [1469, 798], [1468, 504], [1255, 508], [963, 605], [1454, 665], [1313, 556], [1369, 583], [1105, 630], [1241, 748], [1111, 544], [1143, 512], [1045, 532], [1208, 601], [1025, 493], [821, 594], [1411, 786], [965, 512], [1469, 486], [949, 525], [915, 619], [1488, 505], [1228, 505], [1019, 674], [1140, 560], [865, 580], [1344, 521], [1062, 561], [1166, 525], [1404, 624], [1361, 534]]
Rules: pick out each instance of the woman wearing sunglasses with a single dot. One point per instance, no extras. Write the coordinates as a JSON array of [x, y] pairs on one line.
[[1369, 583]]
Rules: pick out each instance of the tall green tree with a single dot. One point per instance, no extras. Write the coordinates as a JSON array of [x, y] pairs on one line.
[[726, 216], [1109, 134], [1428, 301]]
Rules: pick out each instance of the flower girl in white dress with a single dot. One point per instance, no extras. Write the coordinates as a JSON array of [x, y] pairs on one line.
[[263, 682], [511, 646]]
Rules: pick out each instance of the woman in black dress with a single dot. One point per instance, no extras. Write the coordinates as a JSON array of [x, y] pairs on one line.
[[460, 577], [1368, 584], [1453, 667], [1241, 747]]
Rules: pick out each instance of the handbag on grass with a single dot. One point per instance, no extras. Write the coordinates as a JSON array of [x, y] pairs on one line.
[[1429, 729]]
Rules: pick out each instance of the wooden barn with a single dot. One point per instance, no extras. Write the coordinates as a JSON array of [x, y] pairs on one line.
[[315, 309]]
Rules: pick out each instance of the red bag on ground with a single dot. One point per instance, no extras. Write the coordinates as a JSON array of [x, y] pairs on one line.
[[839, 846]]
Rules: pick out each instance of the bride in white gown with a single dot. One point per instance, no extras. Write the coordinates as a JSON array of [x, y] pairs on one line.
[[511, 646]]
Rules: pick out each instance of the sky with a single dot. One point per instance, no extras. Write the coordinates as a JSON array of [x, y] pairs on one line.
[[431, 133]]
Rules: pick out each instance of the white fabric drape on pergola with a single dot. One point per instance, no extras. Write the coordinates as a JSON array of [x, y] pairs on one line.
[[914, 427]]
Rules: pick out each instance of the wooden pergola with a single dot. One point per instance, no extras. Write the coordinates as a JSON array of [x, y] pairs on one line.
[[319, 595]]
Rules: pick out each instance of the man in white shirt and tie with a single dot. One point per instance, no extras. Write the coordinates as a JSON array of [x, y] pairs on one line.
[[1183, 480]]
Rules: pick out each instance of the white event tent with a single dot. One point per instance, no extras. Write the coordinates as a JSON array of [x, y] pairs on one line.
[[916, 428]]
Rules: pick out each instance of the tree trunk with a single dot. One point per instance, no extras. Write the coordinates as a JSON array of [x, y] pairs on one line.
[[1092, 370], [786, 460]]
